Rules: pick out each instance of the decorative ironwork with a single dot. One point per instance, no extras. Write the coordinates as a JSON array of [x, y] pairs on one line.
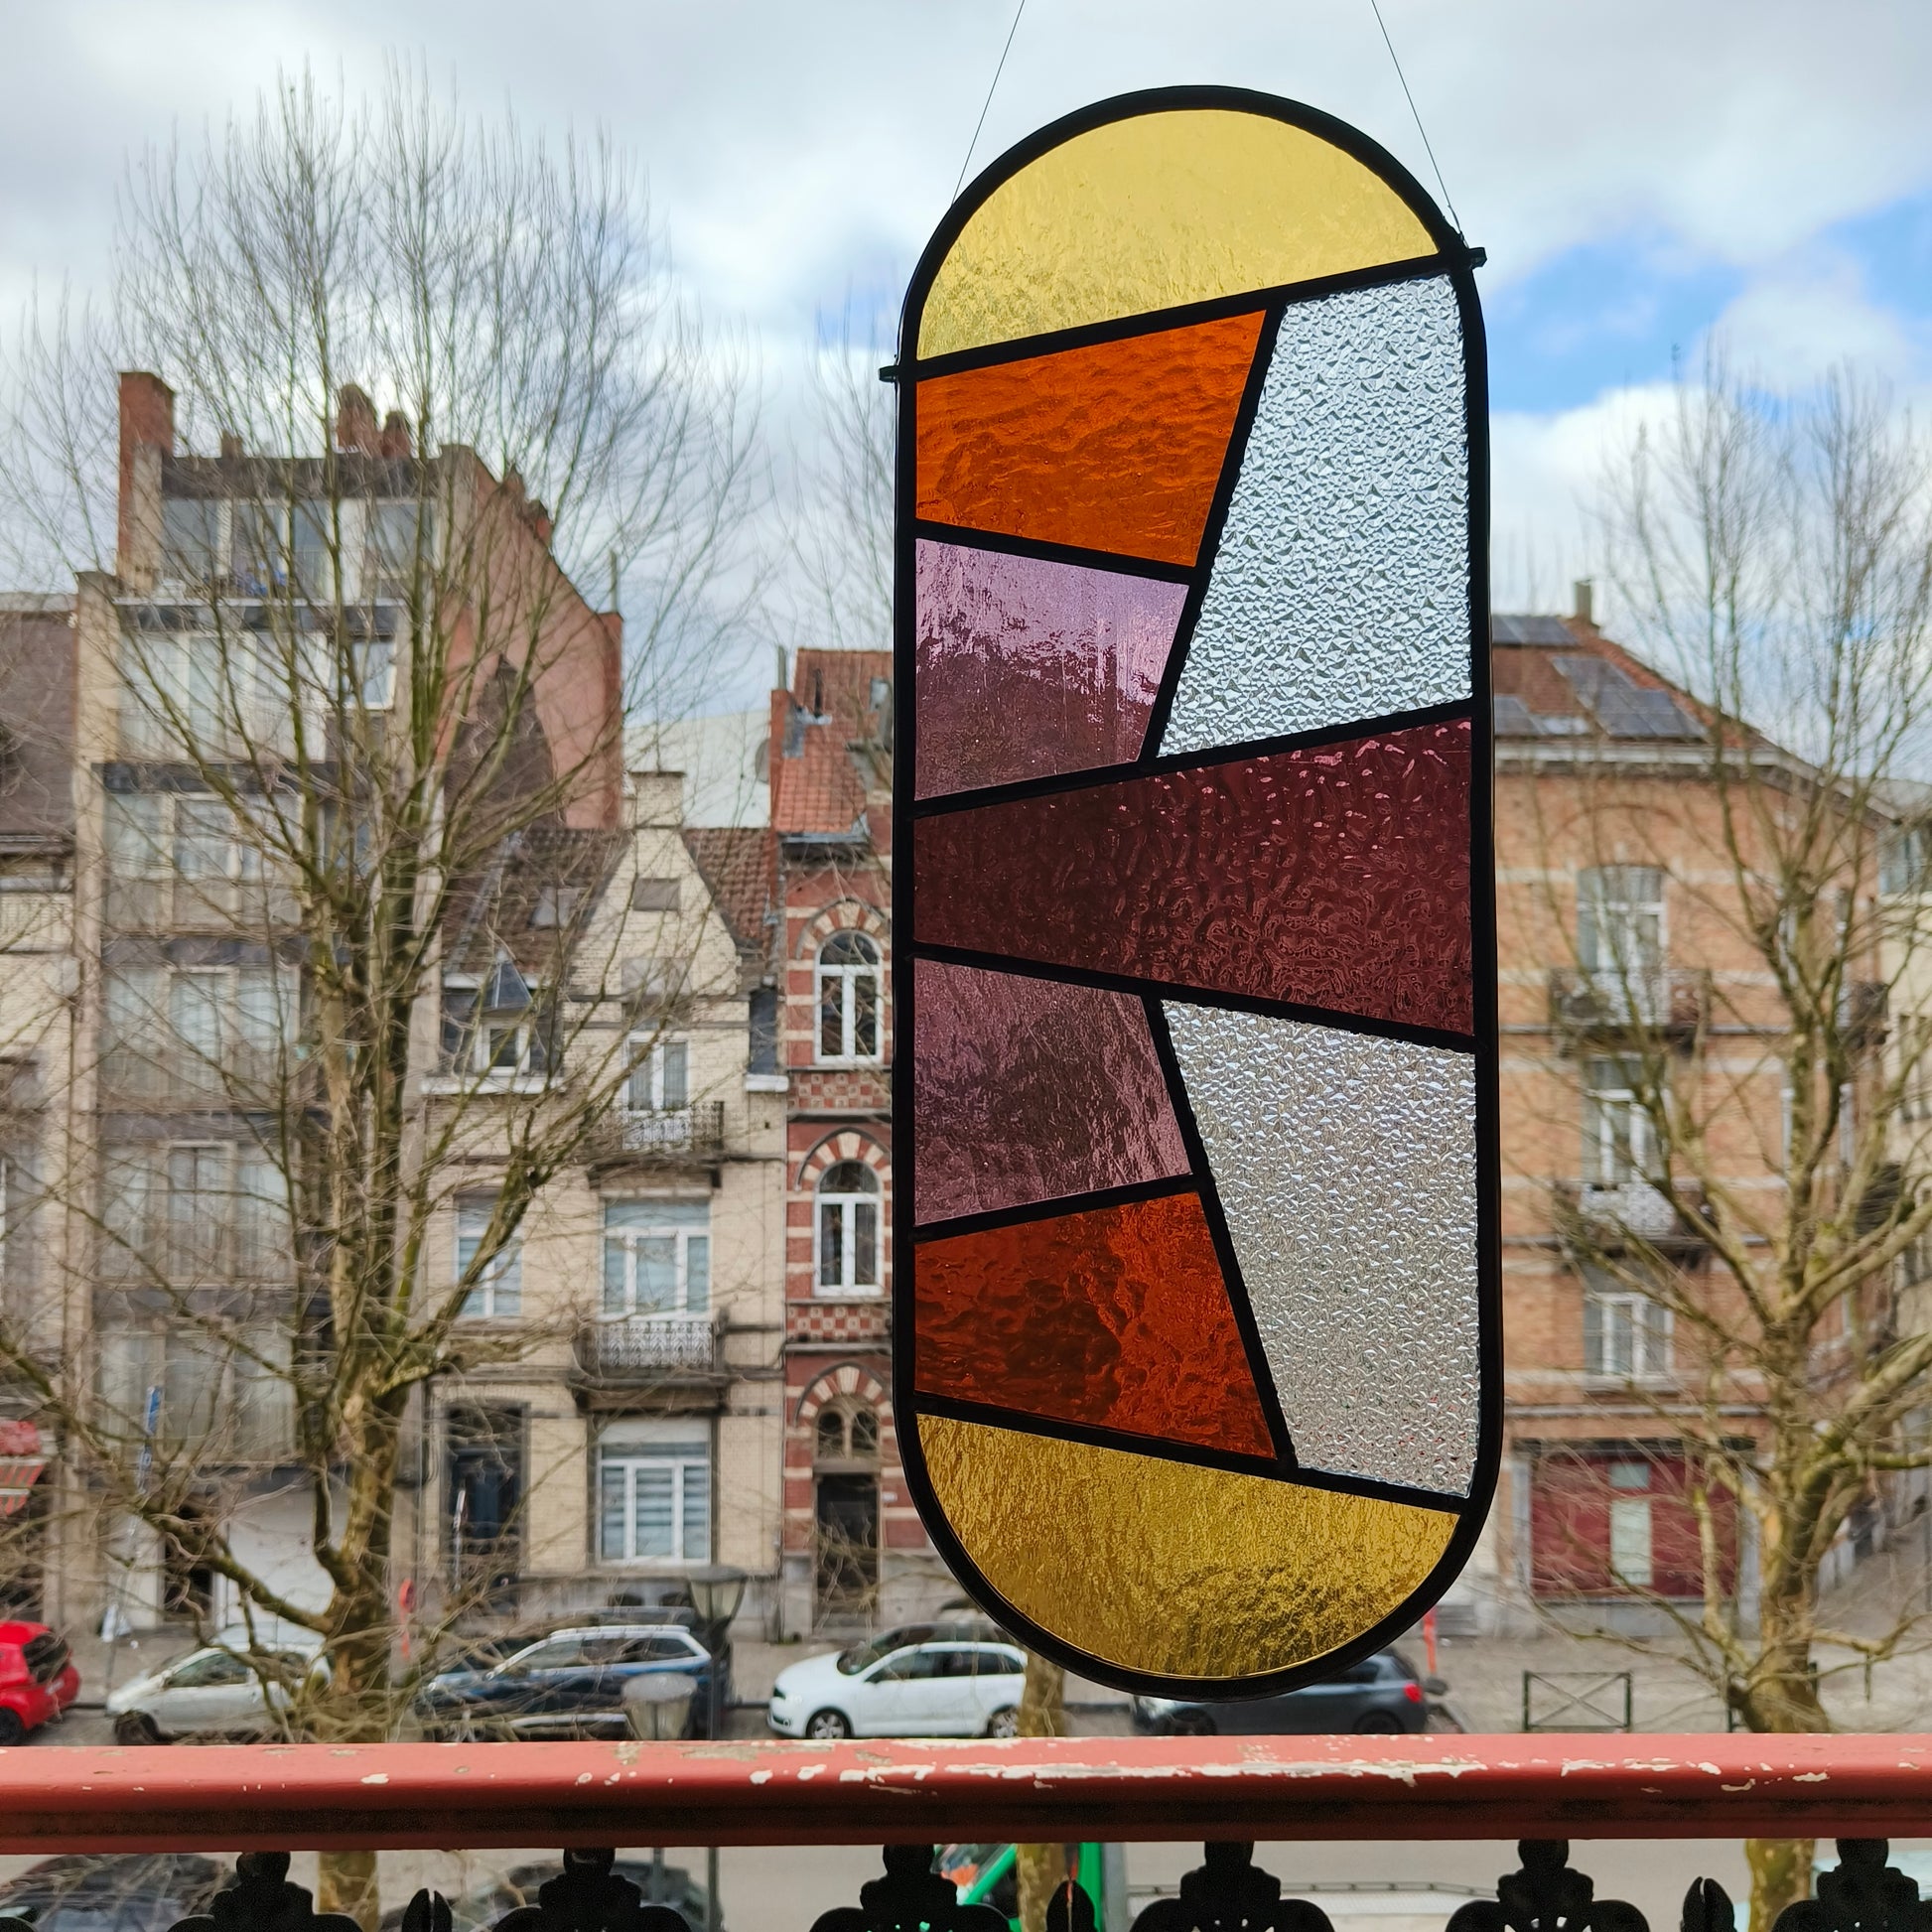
[[1707, 1908], [1547, 1895], [1862, 1894], [910, 1896], [1229, 1892], [588, 1896], [260, 1898]]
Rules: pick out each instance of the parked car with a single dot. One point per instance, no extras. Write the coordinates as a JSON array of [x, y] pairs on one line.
[[930, 1687], [477, 1910], [569, 1683], [112, 1892], [38, 1679], [1380, 1694], [215, 1691]]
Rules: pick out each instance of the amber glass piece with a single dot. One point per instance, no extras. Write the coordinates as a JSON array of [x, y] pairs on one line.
[[1337, 878], [1028, 668], [1027, 1089], [1116, 447], [1160, 1566], [1118, 1318], [1159, 209]]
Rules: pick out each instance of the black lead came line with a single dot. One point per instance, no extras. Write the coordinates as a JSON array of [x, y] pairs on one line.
[[1453, 711], [1093, 1200]]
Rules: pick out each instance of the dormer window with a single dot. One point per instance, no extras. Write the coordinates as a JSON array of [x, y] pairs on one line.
[[499, 1026]]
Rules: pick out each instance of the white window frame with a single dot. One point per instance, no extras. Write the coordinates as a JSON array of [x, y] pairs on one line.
[[1632, 1524], [497, 1292], [627, 1236], [688, 1465], [1627, 1336], [659, 1081], [847, 1207], [1619, 1148], [479, 1063], [841, 982]]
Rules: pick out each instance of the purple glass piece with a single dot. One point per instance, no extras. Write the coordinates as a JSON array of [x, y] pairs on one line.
[[1028, 667], [1030, 1090]]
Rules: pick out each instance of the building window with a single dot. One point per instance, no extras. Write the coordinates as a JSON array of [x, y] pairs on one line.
[[764, 1016], [1627, 1335], [849, 999], [485, 1501], [188, 1031], [191, 541], [1620, 936], [656, 1258], [221, 1394], [502, 1027], [496, 1293], [848, 1229], [1631, 1544], [847, 1432], [653, 1494], [1618, 1145], [184, 1213], [660, 1077]]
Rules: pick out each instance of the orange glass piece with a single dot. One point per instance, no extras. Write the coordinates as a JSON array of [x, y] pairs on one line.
[[1117, 1317], [1114, 447]]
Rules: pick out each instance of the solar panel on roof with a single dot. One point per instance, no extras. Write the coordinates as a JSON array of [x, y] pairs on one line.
[[1513, 717], [1622, 706], [1519, 628]]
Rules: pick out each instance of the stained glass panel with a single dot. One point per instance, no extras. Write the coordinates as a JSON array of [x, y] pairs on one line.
[[1195, 1295], [1030, 1089]]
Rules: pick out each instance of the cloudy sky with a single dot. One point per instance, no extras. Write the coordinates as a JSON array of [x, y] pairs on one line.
[[1640, 173]]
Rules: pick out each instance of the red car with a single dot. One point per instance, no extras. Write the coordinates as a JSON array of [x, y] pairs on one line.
[[38, 1679]]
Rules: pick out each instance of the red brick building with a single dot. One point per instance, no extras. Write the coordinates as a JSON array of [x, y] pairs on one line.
[[854, 1546]]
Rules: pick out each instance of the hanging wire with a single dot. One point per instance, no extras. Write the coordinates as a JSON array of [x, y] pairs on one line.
[[981, 122], [1375, 8]]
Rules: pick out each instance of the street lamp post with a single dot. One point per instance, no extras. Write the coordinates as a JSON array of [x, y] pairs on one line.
[[716, 1590]]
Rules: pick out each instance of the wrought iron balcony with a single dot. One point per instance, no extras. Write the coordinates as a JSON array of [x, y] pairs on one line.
[[1589, 1005], [911, 1796], [636, 1349], [693, 1133]]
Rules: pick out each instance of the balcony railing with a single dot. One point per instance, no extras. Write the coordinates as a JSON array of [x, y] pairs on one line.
[[1588, 1004], [693, 1133], [646, 1347]]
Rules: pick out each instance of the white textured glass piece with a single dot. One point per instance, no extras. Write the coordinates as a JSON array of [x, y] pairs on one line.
[[1346, 1167], [1340, 590]]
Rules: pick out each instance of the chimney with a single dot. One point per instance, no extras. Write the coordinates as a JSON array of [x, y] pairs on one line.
[[356, 420], [539, 522], [1583, 597], [147, 426], [231, 445], [394, 441]]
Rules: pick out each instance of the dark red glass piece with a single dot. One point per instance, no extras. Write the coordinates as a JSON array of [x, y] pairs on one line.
[[1117, 1317], [1336, 877], [1029, 668], [1026, 1089]]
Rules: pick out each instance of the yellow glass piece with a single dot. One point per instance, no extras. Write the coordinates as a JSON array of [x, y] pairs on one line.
[[1164, 1568], [1155, 211]]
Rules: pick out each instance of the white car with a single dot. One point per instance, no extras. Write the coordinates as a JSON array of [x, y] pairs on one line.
[[214, 1691], [893, 1687]]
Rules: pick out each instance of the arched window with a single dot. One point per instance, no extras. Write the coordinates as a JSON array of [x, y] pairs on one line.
[[848, 1432], [850, 995], [831, 1435], [848, 1229]]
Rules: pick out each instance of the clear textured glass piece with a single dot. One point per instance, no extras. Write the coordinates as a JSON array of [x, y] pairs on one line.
[[1340, 590], [1346, 1167]]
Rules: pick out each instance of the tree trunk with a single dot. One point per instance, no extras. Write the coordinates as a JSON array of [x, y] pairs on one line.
[[345, 1882], [1040, 1870], [1780, 1870]]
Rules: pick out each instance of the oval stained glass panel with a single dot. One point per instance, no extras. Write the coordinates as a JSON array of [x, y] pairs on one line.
[[1196, 1289]]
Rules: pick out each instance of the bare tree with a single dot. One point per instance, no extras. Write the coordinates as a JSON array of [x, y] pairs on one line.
[[1771, 1165], [370, 740]]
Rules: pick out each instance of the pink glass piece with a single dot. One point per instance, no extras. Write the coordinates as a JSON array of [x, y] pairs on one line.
[[1028, 667], [1028, 1090]]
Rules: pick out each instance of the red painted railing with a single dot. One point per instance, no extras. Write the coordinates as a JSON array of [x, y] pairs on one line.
[[314, 1796]]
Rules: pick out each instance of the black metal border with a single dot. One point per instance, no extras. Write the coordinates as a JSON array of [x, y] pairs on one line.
[[1457, 262]]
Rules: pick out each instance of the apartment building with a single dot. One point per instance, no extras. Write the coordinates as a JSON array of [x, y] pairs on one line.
[[855, 1551], [37, 984], [606, 1418]]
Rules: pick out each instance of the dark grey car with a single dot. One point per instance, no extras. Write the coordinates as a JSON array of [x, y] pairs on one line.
[[1380, 1694]]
